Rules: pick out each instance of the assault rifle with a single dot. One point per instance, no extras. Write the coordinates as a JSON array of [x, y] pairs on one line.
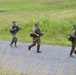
[[34, 35], [16, 30], [70, 38], [40, 34]]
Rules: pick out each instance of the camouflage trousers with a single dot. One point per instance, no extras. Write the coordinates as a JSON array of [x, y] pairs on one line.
[[36, 40], [73, 48], [14, 39]]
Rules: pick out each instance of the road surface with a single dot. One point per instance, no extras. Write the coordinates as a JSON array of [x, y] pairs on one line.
[[54, 60]]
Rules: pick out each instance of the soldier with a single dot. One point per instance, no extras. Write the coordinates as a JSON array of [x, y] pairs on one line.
[[13, 30], [73, 41], [36, 38]]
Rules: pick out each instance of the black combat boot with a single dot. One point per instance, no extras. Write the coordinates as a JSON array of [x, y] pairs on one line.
[[11, 45], [15, 45], [71, 55], [38, 51], [75, 51], [29, 48], [38, 48], [12, 42]]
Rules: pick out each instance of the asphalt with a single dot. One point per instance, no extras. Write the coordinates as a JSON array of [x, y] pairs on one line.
[[54, 60]]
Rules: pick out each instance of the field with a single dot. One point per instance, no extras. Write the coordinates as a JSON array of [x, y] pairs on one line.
[[56, 18]]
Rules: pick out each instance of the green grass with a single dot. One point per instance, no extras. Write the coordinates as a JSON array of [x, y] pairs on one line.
[[55, 17]]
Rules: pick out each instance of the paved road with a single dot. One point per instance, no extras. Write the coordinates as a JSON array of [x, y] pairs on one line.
[[54, 60]]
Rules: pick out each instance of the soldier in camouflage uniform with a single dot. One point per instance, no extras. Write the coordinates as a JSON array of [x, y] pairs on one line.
[[36, 39], [14, 38], [73, 34]]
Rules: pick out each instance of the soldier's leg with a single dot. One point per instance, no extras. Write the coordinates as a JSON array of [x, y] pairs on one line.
[[33, 44], [12, 42], [38, 46], [15, 40], [72, 50], [75, 49], [13, 37]]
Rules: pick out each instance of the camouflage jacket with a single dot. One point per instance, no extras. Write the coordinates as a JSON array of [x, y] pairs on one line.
[[73, 33], [36, 30]]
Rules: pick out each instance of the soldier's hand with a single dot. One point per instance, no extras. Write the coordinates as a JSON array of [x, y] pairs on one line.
[[15, 28], [37, 35]]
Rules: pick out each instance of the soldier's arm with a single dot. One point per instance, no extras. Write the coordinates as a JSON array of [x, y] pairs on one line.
[[34, 32], [73, 34], [11, 28]]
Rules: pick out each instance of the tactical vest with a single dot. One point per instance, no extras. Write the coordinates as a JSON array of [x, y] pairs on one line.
[[15, 31]]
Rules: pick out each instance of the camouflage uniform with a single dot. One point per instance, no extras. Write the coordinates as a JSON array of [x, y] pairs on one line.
[[14, 38], [36, 39], [73, 34]]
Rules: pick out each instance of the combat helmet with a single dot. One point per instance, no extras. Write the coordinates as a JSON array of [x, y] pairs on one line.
[[36, 23], [13, 21]]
